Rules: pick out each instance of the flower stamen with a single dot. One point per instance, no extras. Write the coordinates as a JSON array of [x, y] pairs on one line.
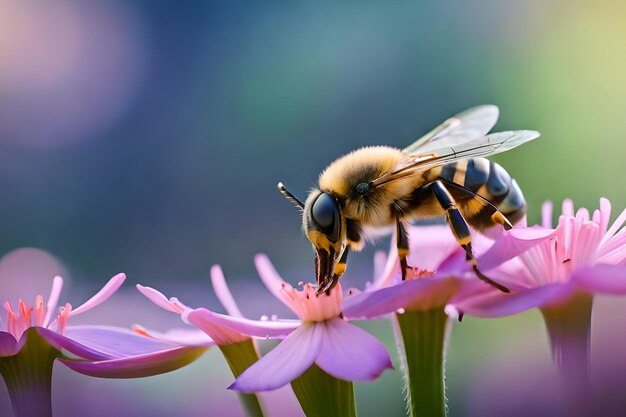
[[308, 305], [63, 317], [19, 321], [416, 273], [40, 310]]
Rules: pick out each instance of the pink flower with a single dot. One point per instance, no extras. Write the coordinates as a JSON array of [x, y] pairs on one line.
[[438, 271], [33, 336], [321, 336], [102, 350], [583, 255]]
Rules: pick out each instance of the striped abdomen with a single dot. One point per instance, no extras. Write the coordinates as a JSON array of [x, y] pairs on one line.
[[489, 180]]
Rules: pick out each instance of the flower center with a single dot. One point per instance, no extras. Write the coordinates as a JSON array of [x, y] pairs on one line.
[[312, 307], [18, 321], [416, 273], [575, 245]]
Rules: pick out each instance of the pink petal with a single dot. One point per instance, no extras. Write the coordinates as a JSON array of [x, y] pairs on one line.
[[380, 261], [102, 295], [602, 278], [389, 271], [61, 342], [499, 304], [159, 299], [546, 215], [273, 282], [454, 265], [614, 227], [103, 342], [510, 274], [207, 321], [285, 362], [567, 208], [420, 293], [582, 214], [8, 344], [616, 243], [115, 341], [53, 299], [222, 291], [351, 353], [604, 214], [226, 329], [512, 243], [430, 245], [184, 337], [139, 366], [614, 251]]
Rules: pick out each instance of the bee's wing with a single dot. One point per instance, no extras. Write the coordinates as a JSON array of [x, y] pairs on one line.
[[471, 124], [479, 147]]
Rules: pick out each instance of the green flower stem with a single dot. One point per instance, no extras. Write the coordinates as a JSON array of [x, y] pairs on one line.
[[323, 395], [421, 339], [28, 376], [569, 328], [240, 356]]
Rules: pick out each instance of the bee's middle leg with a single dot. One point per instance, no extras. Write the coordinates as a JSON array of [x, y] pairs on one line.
[[402, 243], [460, 230]]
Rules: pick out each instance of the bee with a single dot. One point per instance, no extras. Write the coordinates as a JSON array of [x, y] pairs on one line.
[[444, 173]]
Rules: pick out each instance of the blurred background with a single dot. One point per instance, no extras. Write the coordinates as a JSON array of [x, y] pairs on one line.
[[148, 137]]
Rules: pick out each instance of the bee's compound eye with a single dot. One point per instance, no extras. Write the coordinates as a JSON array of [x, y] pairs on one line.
[[325, 211]]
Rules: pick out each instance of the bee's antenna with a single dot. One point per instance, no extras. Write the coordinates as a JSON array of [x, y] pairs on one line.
[[290, 196]]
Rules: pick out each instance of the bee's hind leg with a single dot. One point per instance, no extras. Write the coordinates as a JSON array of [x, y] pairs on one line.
[[402, 243], [460, 230]]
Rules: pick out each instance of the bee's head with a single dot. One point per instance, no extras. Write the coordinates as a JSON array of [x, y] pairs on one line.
[[324, 225]]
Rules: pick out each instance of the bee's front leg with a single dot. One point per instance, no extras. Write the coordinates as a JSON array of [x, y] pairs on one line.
[[355, 242], [461, 230], [340, 268], [402, 243]]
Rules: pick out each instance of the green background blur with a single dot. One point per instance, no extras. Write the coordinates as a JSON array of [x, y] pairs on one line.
[[148, 136]]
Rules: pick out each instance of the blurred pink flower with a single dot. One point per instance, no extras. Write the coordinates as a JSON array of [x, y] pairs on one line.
[[321, 336], [33, 337], [583, 255], [560, 275]]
